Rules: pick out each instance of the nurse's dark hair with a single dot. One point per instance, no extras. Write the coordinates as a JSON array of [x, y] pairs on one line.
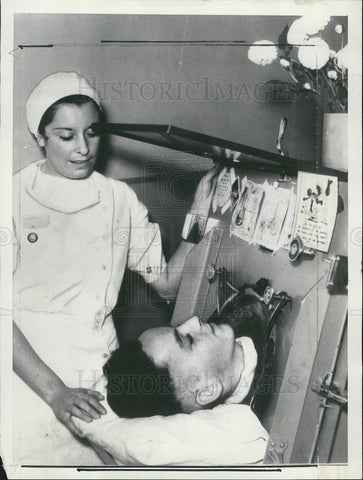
[[136, 387], [77, 100]]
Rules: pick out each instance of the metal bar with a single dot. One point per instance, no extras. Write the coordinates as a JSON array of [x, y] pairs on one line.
[[50, 45], [133, 43], [250, 156], [312, 413], [229, 43], [333, 411], [181, 42], [291, 400]]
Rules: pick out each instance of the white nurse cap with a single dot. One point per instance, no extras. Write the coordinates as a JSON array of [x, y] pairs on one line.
[[51, 89]]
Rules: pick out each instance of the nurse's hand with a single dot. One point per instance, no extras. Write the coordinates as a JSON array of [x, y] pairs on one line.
[[204, 193], [78, 402]]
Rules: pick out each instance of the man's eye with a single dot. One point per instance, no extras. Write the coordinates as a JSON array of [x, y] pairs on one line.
[[66, 139], [92, 134]]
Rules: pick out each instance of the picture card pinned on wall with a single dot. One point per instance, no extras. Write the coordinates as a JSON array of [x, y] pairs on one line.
[[235, 192], [246, 211], [286, 232], [221, 198], [316, 209], [271, 219]]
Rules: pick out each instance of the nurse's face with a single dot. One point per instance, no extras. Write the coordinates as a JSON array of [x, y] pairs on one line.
[[70, 143]]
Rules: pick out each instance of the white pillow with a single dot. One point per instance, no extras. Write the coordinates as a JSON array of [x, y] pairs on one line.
[[225, 435]]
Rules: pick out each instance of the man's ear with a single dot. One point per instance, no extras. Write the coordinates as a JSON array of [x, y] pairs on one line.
[[40, 140], [209, 393]]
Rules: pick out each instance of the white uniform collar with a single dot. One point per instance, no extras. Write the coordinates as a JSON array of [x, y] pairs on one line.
[[63, 194], [250, 363]]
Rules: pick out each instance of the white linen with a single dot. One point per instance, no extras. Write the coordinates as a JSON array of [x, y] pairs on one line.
[[248, 373], [225, 435]]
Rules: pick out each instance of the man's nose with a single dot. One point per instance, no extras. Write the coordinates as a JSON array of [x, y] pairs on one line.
[[82, 145], [192, 325]]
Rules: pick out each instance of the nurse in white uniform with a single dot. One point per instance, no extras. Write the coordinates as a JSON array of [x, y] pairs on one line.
[[76, 232]]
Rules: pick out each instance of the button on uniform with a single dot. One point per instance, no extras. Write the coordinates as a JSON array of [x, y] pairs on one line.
[[32, 237]]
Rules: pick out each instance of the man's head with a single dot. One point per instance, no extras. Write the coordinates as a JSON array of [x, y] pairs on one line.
[[136, 387], [170, 370], [203, 361], [182, 369]]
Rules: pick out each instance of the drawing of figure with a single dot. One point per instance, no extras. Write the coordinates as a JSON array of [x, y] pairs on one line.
[[314, 197], [240, 217], [327, 191]]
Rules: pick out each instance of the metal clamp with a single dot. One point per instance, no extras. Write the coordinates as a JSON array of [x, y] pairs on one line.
[[211, 272], [280, 300], [338, 274], [268, 295], [327, 389], [297, 249]]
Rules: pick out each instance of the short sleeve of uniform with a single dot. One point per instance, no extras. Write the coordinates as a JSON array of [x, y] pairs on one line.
[[145, 255]]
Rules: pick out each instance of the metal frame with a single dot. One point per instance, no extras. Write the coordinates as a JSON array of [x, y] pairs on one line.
[[199, 144]]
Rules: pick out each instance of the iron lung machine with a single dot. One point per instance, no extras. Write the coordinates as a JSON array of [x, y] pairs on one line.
[[306, 410], [306, 397]]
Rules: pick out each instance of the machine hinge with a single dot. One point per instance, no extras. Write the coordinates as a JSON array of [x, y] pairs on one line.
[[275, 451]]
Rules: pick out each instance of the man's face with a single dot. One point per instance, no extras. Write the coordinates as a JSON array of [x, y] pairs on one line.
[[194, 353], [70, 143]]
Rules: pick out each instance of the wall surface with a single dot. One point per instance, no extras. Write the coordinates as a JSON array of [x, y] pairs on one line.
[[211, 89]]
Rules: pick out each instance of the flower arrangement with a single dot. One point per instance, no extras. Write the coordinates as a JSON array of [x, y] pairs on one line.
[[316, 69]]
